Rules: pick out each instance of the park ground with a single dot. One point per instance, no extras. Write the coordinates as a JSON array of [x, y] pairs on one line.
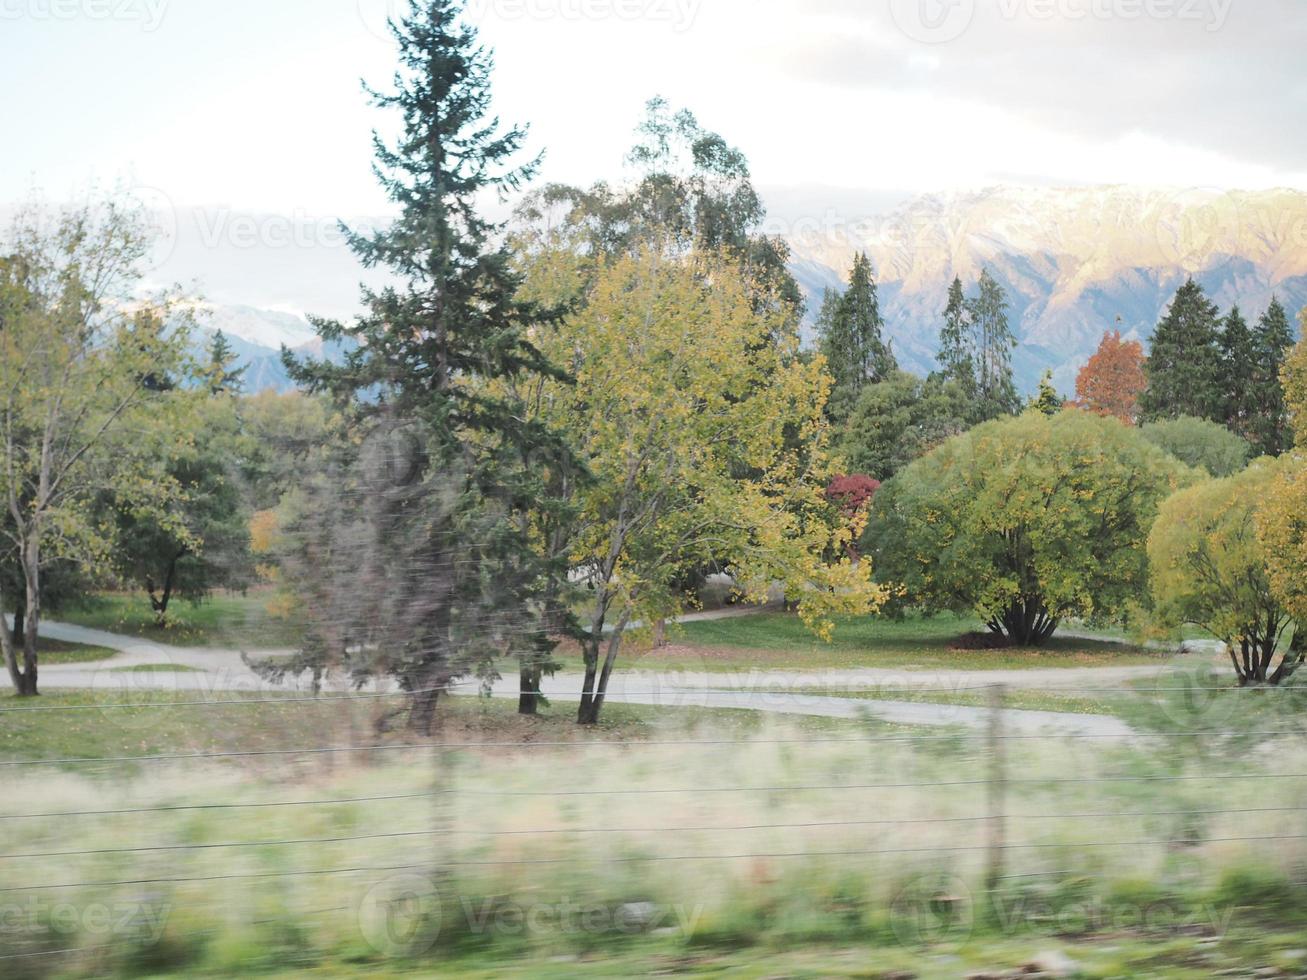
[[1205, 909]]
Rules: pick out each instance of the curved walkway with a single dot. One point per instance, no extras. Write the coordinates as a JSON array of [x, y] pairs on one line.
[[205, 670]]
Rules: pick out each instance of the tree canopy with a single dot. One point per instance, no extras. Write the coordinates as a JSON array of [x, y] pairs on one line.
[[1025, 521], [704, 441], [89, 374], [1184, 362], [1209, 568], [1112, 380], [1198, 442], [432, 471]]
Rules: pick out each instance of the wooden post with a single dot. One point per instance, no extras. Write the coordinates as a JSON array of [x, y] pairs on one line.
[[996, 789]]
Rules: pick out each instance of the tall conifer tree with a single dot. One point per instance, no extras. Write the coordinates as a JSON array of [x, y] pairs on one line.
[[1184, 362], [1238, 374], [442, 480], [996, 392], [956, 354], [1270, 432]]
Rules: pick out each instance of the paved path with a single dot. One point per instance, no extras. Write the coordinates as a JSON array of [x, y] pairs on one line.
[[205, 670]]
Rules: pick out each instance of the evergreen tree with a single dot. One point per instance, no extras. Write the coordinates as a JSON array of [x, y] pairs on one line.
[[996, 392], [1046, 399], [220, 373], [1238, 372], [1184, 363], [1270, 432], [435, 495], [850, 329], [956, 356]]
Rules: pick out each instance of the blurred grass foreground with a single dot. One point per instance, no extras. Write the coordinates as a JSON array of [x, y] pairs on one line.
[[683, 841]]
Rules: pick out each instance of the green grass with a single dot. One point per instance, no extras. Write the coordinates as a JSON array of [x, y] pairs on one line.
[[57, 652], [1023, 700], [155, 669], [781, 641], [133, 721], [223, 620], [492, 820], [1274, 951]]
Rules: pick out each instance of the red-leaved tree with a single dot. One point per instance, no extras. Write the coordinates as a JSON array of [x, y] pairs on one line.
[[853, 496], [1113, 379]]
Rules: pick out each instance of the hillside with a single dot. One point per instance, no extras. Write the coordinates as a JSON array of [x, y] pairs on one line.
[[1074, 261]]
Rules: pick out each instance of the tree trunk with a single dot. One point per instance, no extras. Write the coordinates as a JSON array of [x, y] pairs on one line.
[[588, 712], [422, 712], [31, 562], [528, 687], [160, 603], [1027, 622], [600, 690]]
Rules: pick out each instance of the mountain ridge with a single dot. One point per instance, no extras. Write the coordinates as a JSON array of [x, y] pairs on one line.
[[1075, 262]]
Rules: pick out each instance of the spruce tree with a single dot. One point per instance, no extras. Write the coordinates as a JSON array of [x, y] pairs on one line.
[[851, 335], [1184, 363], [996, 392], [437, 492], [956, 355], [1238, 372], [220, 373], [1046, 400], [1270, 432]]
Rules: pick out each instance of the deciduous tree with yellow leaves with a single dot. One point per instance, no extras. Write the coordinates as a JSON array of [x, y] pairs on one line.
[[704, 438], [1209, 569], [1282, 515]]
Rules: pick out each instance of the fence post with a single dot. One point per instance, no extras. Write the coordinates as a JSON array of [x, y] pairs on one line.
[[996, 789]]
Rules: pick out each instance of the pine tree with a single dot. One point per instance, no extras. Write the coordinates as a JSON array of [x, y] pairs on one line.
[[996, 392], [850, 332], [1046, 399], [222, 377], [1184, 363], [956, 355], [1238, 373], [873, 361], [1270, 431], [443, 477]]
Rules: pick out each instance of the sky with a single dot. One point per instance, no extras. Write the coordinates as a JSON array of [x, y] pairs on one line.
[[847, 106]]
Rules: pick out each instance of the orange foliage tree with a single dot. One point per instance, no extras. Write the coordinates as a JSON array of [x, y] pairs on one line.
[[1113, 379]]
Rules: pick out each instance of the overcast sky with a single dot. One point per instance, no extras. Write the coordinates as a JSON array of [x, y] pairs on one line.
[[256, 105]]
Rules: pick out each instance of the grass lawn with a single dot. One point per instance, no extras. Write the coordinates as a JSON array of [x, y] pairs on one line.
[[774, 641], [223, 620], [57, 652], [161, 722]]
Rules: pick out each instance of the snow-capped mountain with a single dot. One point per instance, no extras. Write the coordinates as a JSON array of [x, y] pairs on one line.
[[257, 336], [1074, 262]]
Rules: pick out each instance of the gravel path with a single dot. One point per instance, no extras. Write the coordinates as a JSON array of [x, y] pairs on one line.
[[203, 670]]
